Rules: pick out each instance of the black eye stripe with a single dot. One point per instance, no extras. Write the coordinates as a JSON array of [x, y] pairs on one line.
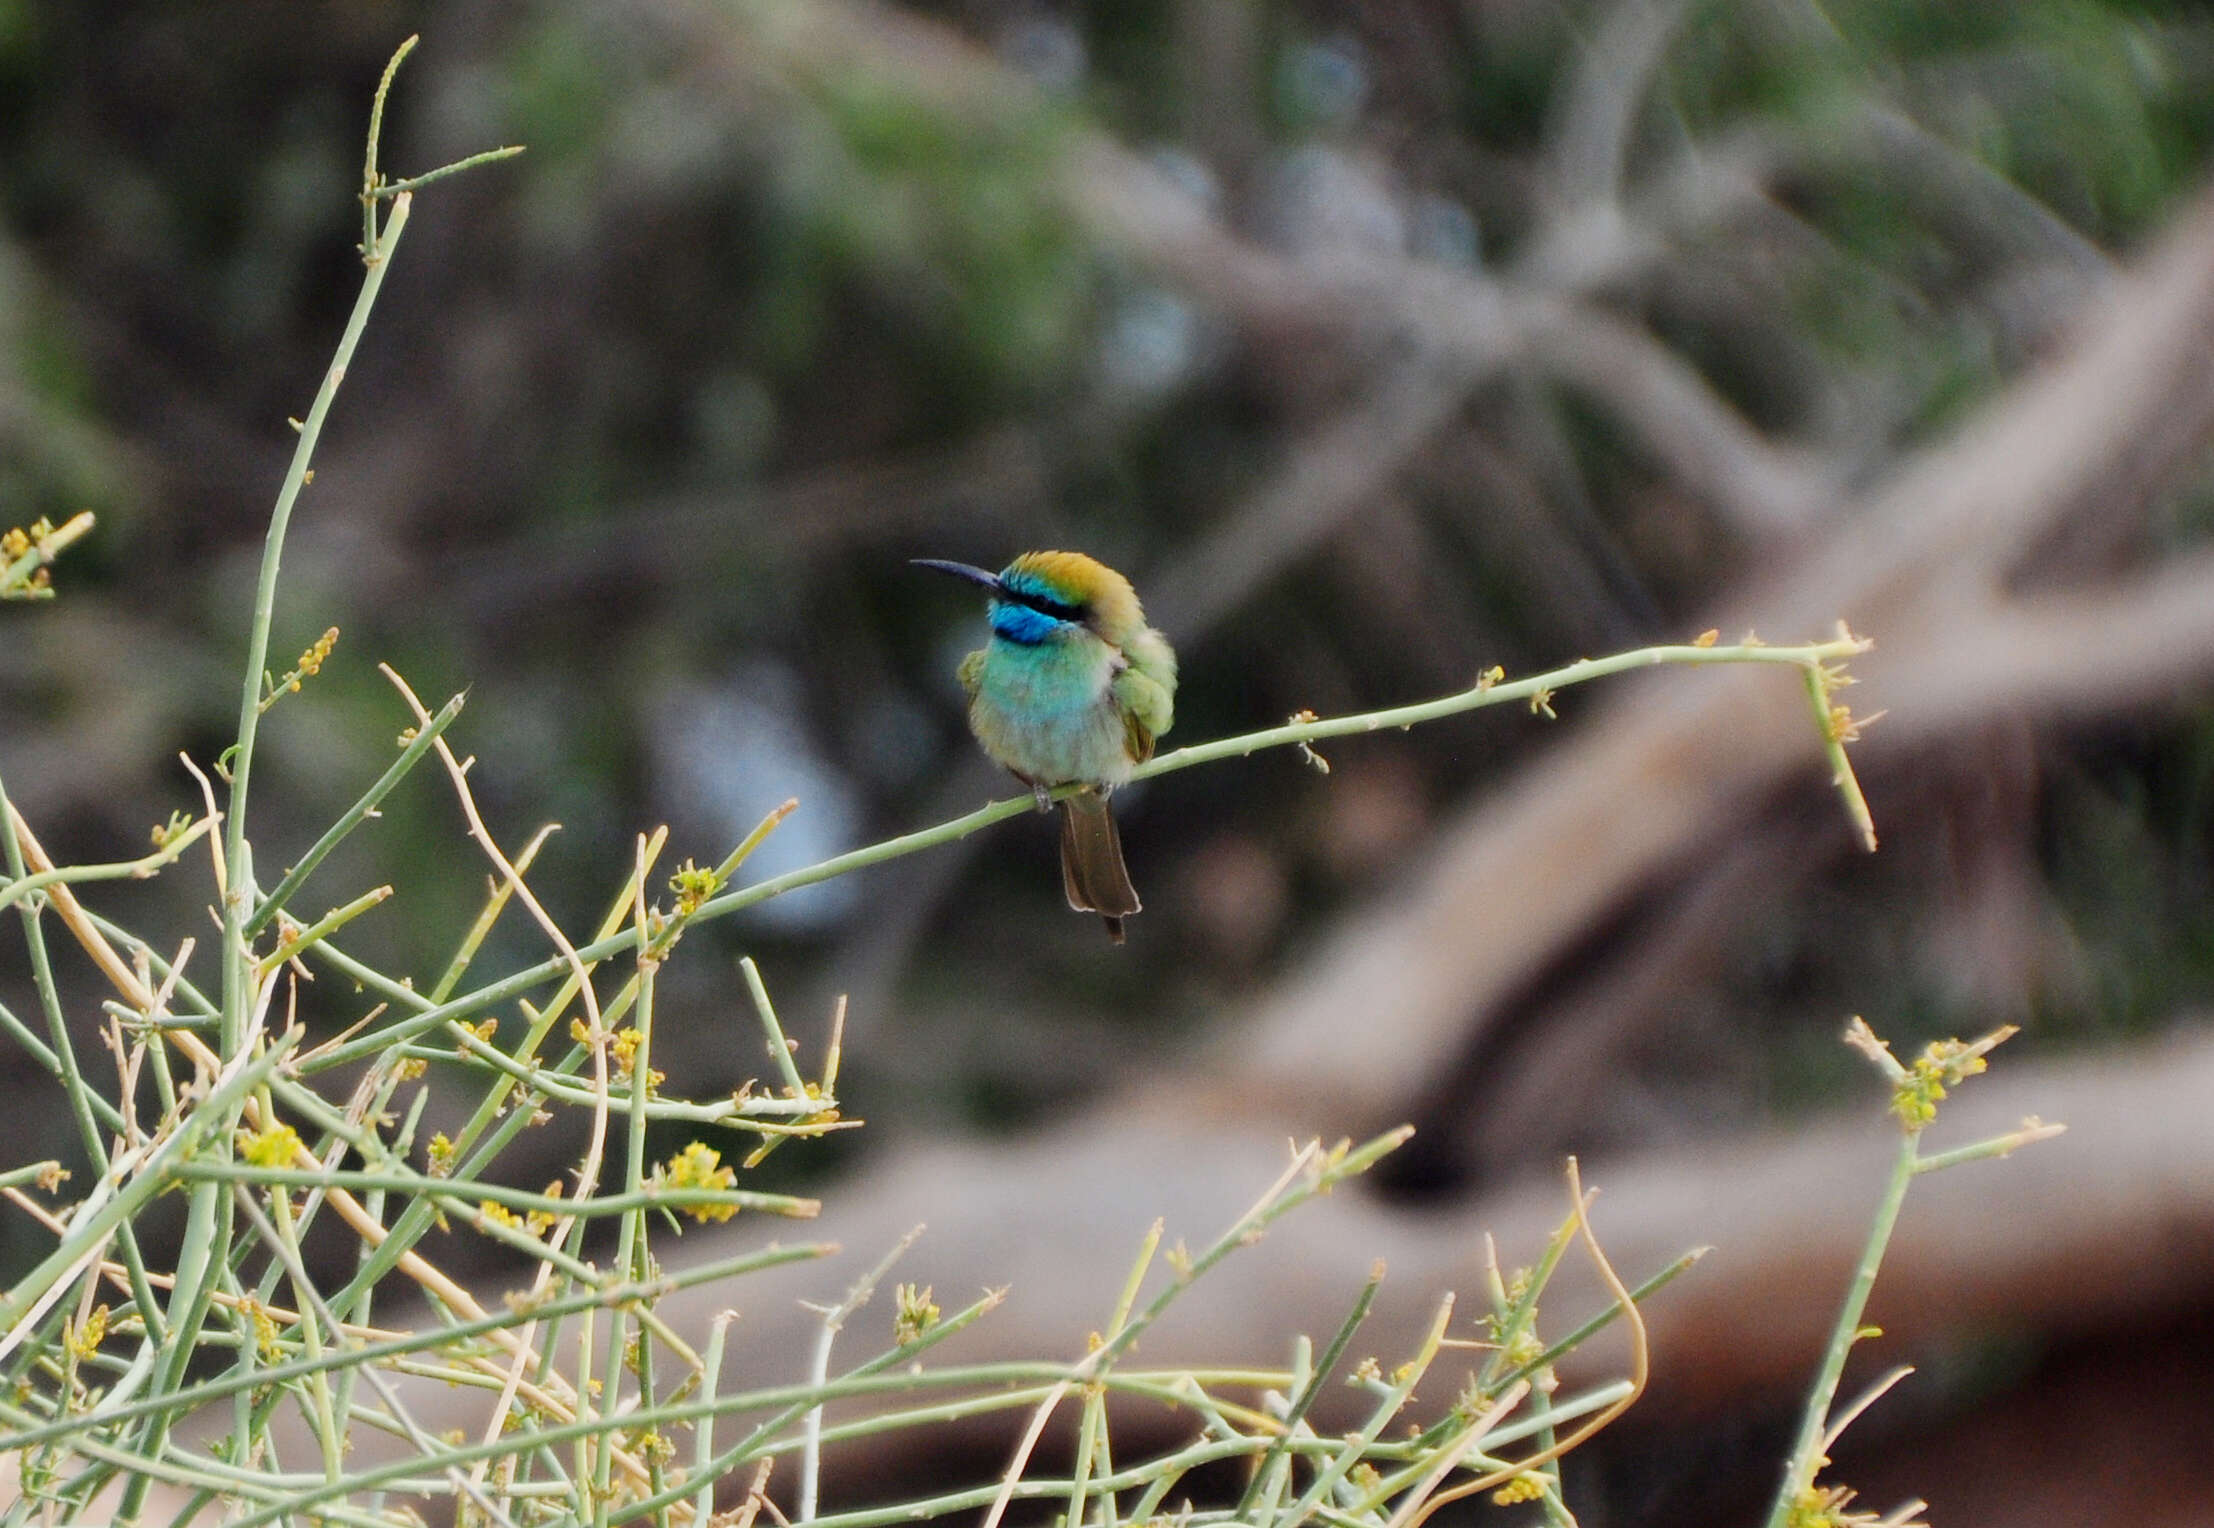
[[1045, 606]]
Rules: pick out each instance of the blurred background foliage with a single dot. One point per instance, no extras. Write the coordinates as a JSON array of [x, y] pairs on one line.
[[650, 420]]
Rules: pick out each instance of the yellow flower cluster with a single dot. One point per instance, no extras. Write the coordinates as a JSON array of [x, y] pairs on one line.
[[1940, 1067], [272, 1147], [17, 541], [692, 886], [700, 1166], [83, 1341], [916, 1314], [1524, 1487]]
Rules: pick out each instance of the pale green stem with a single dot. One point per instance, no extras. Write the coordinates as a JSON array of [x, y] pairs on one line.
[[1095, 1394], [860, 1380], [745, 1112], [864, 1382], [156, 1171], [494, 904], [371, 179], [138, 869], [703, 1437], [1302, 1399], [87, 1105], [1806, 1453], [1356, 1444], [35, 1432], [1833, 733], [630, 1244], [47, 1061], [321, 929], [985, 816], [358, 1312], [1475, 698], [417, 1218], [208, 1222], [1997, 1146], [589, 1428], [284, 1239], [1604, 1319], [353, 816], [780, 1049], [1515, 1318], [1124, 1382], [239, 895], [312, 1309], [162, 1466], [466, 1192], [431, 177], [1535, 1425], [833, 1321]]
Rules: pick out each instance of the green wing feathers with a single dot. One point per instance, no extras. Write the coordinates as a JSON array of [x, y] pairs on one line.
[[1145, 691]]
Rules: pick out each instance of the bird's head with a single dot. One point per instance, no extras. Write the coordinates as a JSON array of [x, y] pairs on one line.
[[1052, 596]]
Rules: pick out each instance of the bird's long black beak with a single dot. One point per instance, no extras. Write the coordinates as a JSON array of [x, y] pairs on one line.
[[974, 575]]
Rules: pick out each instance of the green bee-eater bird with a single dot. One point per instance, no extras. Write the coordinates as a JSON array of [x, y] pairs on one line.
[[1072, 689]]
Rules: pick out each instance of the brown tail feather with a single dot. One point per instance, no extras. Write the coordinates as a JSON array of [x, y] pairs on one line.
[[1092, 871]]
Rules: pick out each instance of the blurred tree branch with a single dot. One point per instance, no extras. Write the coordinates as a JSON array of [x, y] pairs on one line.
[[1921, 561]]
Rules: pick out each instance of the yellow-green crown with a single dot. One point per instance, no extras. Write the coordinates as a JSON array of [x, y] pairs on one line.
[[1081, 583]]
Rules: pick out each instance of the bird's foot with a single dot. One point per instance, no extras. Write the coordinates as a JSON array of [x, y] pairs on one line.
[[1042, 796]]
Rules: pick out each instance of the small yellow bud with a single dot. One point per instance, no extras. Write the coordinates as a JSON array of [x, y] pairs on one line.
[[265, 1330], [273, 1147], [915, 1315], [84, 1341], [700, 1166], [1528, 1486], [692, 886]]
